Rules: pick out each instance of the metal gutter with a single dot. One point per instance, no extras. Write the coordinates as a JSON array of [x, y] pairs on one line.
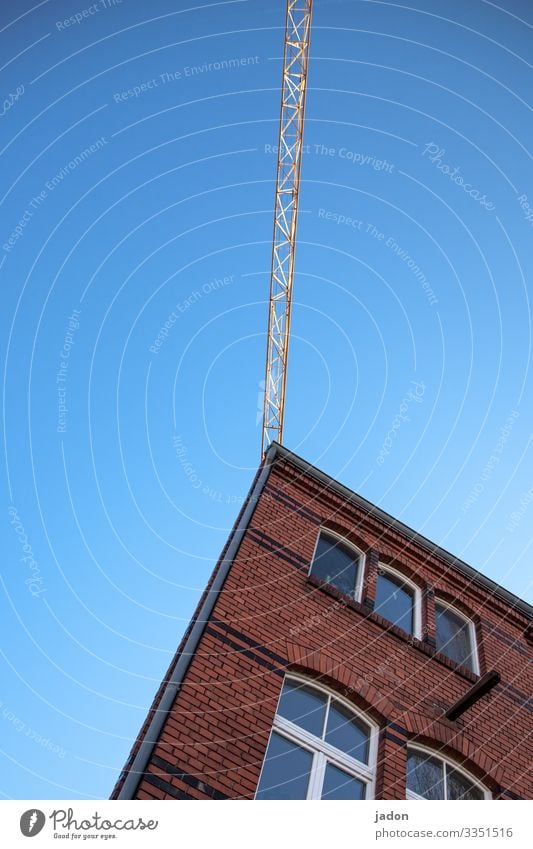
[[468, 571], [144, 753], [277, 451]]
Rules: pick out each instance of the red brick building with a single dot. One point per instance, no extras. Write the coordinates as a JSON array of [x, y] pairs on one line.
[[336, 653]]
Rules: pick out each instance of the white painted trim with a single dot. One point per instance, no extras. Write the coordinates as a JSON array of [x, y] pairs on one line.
[[299, 735], [471, 631], [317, 776], [324, 531], [425, 750], [276, 730], [316, 685], [417, 596]]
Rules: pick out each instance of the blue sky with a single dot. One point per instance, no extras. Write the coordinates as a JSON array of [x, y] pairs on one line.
[[137, 184]]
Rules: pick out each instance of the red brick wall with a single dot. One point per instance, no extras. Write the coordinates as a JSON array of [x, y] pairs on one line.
[[270, 618]]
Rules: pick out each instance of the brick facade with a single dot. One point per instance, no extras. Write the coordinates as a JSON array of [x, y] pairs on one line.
[[271, 617]]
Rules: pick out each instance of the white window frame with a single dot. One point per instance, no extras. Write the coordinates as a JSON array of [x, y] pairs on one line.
[[424, 750], [417, 597], [358, 589], [322, 752], [471, 633]]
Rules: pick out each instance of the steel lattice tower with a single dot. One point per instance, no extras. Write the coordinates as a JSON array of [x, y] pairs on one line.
[[294, 86]]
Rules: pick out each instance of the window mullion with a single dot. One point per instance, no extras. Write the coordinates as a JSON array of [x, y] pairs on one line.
[[445, 767], [314, 744], [359, 578], [321, 752], [326, 717], [317, 776]]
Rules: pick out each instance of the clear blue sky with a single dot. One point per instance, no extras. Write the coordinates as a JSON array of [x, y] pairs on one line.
[[137, 182]]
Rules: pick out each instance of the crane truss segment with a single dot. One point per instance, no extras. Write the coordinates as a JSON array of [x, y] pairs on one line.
[[294, 84]]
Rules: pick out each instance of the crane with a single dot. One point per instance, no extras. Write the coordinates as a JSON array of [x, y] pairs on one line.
[[290, 148]]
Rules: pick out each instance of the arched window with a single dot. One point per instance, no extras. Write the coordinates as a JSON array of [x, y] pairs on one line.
[[456, 636], [319, 748], [398, 600], [338, 562], [431, 777]]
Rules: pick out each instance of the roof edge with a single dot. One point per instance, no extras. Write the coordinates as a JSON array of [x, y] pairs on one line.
[[128, 782], [468, 571]]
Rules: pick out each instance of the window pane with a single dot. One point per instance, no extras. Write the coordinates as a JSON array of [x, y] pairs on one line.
[[339, 785], [304, 706], [459, 787], [346, 733], [335, 564], [286, 770], [425, 776], [453, 636], [395, 602]]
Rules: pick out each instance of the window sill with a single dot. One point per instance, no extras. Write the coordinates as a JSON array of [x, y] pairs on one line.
[[422, 645]]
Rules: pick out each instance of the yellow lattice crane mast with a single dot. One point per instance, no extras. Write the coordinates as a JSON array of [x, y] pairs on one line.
[[290, 148]]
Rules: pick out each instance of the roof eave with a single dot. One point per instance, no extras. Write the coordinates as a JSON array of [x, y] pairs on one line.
[[465, 569]]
